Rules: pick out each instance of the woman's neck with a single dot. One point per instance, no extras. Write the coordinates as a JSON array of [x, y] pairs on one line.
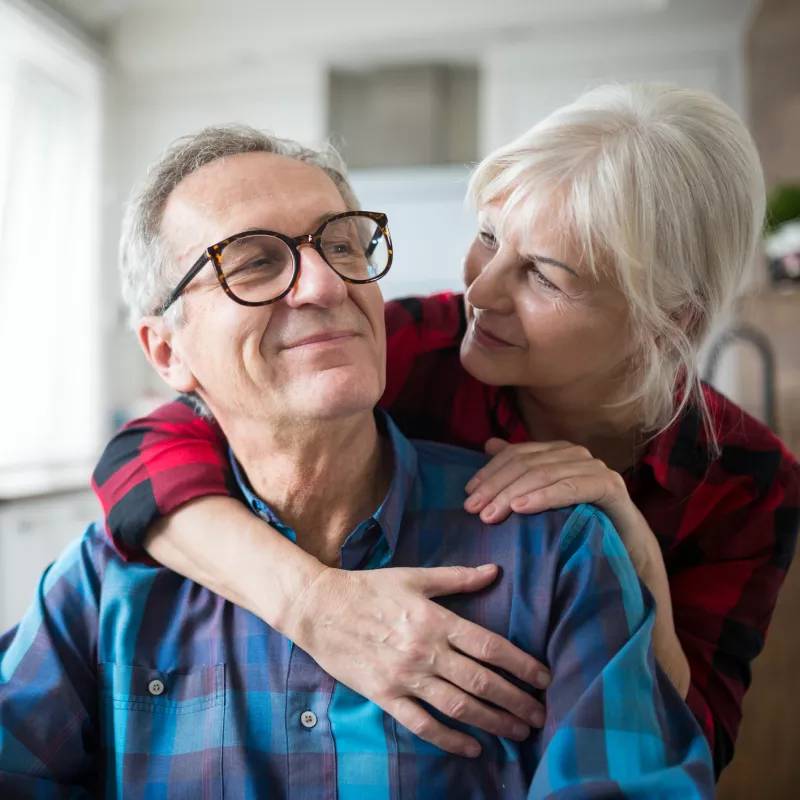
[[606, 432]]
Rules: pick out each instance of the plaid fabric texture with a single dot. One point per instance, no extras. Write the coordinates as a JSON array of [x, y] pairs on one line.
[[727, 526], [129, 681]]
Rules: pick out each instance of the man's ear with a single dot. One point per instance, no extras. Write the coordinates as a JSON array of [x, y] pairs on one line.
[[157, 340]]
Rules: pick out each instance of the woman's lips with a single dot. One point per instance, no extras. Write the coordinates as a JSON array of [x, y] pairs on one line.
[[487, 339]]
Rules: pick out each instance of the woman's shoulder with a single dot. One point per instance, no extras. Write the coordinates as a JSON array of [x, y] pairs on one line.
[[747, 454]]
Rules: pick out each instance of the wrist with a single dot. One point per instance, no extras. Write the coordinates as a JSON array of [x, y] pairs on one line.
[[300, 593]]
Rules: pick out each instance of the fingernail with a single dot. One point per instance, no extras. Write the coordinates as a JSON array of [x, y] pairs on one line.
[[472, 486], [473, 503], [519, 505], [537, 718], [486, 568], [543, 679], [473, 750], [488, 512]]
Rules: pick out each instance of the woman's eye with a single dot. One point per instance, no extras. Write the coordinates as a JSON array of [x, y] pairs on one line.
[[537, 276], [487, 239]]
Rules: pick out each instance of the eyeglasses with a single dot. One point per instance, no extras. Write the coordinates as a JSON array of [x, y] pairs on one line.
[[260, 267]]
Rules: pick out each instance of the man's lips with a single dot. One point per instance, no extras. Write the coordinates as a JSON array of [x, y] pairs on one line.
[[487, 338], [324, 337]]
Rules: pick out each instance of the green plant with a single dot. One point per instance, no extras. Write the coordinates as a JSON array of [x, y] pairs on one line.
[[782, 206]]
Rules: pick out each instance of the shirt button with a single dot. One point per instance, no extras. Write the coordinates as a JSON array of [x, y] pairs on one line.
[[155, 687], [308, 719]]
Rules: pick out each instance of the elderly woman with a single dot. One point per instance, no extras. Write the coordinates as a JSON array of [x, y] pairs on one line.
[[612, 237]]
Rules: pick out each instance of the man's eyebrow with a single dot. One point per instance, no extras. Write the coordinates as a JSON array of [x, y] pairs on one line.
[[554, 263], [321, 220], [326, 216]]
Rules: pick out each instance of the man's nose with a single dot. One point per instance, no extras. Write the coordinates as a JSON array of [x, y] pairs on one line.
[[317, 284]]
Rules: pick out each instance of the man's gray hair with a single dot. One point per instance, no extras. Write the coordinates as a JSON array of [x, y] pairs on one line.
[[146, 271]]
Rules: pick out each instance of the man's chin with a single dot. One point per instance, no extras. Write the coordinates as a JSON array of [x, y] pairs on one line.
[[336, 393]]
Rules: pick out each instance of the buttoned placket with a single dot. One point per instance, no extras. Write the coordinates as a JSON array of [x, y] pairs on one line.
[[310, 747]]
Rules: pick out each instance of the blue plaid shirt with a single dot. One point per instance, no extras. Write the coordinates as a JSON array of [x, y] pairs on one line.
[[125, 680]]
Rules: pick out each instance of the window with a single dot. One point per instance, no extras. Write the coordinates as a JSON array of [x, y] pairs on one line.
[[50, 122]]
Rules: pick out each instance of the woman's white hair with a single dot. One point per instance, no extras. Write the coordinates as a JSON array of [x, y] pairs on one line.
[[661, 185], [146, 270]]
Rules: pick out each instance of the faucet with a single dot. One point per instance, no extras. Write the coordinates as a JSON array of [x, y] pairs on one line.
[[763, 346]]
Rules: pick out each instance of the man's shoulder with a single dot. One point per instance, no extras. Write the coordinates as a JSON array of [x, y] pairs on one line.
[[94, 553], [444, 471]]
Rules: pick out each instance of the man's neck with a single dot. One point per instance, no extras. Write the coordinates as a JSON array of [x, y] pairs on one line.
[[322, 479]]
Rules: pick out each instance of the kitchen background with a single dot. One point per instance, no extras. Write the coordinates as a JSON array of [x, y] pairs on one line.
[[415, 92]]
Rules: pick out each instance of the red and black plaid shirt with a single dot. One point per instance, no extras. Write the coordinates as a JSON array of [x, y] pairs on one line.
[[727, 526]]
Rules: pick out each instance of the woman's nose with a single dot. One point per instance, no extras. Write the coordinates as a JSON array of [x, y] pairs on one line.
[[317, 284], [489, 289]]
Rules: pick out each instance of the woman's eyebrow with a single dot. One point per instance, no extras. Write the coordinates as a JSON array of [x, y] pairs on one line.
[[553, 262]]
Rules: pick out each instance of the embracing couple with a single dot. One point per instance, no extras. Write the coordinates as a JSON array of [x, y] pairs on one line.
[[605, 537]]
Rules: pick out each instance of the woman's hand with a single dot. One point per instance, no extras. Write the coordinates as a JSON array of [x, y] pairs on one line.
[[533, 477], [378, 632]]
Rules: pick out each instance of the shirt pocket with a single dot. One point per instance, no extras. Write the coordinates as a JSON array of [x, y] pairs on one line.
[[162, 731]]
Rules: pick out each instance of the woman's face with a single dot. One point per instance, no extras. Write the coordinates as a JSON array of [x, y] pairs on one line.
[[539, 318]]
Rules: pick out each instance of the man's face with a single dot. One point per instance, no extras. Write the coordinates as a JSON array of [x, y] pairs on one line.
[[319, 353]]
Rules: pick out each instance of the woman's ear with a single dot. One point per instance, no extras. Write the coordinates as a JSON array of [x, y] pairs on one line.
[[157, 339], [688, 318]]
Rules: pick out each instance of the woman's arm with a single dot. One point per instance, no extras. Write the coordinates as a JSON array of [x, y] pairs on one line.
[[713, 612], [378, 632]]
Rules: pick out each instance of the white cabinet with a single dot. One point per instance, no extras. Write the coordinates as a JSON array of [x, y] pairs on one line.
[[33, 533]]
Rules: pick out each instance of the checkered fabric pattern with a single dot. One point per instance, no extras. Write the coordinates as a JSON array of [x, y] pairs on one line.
[[129, 681], [727, 525]]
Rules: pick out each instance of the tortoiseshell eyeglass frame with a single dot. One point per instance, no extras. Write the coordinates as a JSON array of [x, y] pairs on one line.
[[294, 243]]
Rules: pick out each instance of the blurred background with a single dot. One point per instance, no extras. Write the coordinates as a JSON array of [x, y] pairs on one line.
[[414, 93]]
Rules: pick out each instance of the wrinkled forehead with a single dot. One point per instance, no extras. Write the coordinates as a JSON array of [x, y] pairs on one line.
[[254, 190]]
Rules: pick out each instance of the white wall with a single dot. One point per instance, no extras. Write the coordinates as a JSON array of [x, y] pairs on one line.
[[278, 80]]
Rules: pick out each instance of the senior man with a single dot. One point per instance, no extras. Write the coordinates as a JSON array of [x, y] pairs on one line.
[[254, 287]]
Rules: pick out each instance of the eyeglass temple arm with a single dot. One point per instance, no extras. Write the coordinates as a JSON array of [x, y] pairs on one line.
[[184, 282]]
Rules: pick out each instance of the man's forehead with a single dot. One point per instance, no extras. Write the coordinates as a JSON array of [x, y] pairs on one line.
[[253, 190], [240, 178]]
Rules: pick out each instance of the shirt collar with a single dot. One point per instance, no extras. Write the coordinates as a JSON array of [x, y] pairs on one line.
[[374, 541]]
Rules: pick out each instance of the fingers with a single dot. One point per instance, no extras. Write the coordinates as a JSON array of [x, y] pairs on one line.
[[540, 469], [588, 479], [412, 716], [488, 686], [488, 647], [512, 453], [494, 446], [457, 704], [566, 492], [441, 581]]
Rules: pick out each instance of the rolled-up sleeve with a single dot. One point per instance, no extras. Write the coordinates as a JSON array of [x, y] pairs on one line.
[[616, 727]]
